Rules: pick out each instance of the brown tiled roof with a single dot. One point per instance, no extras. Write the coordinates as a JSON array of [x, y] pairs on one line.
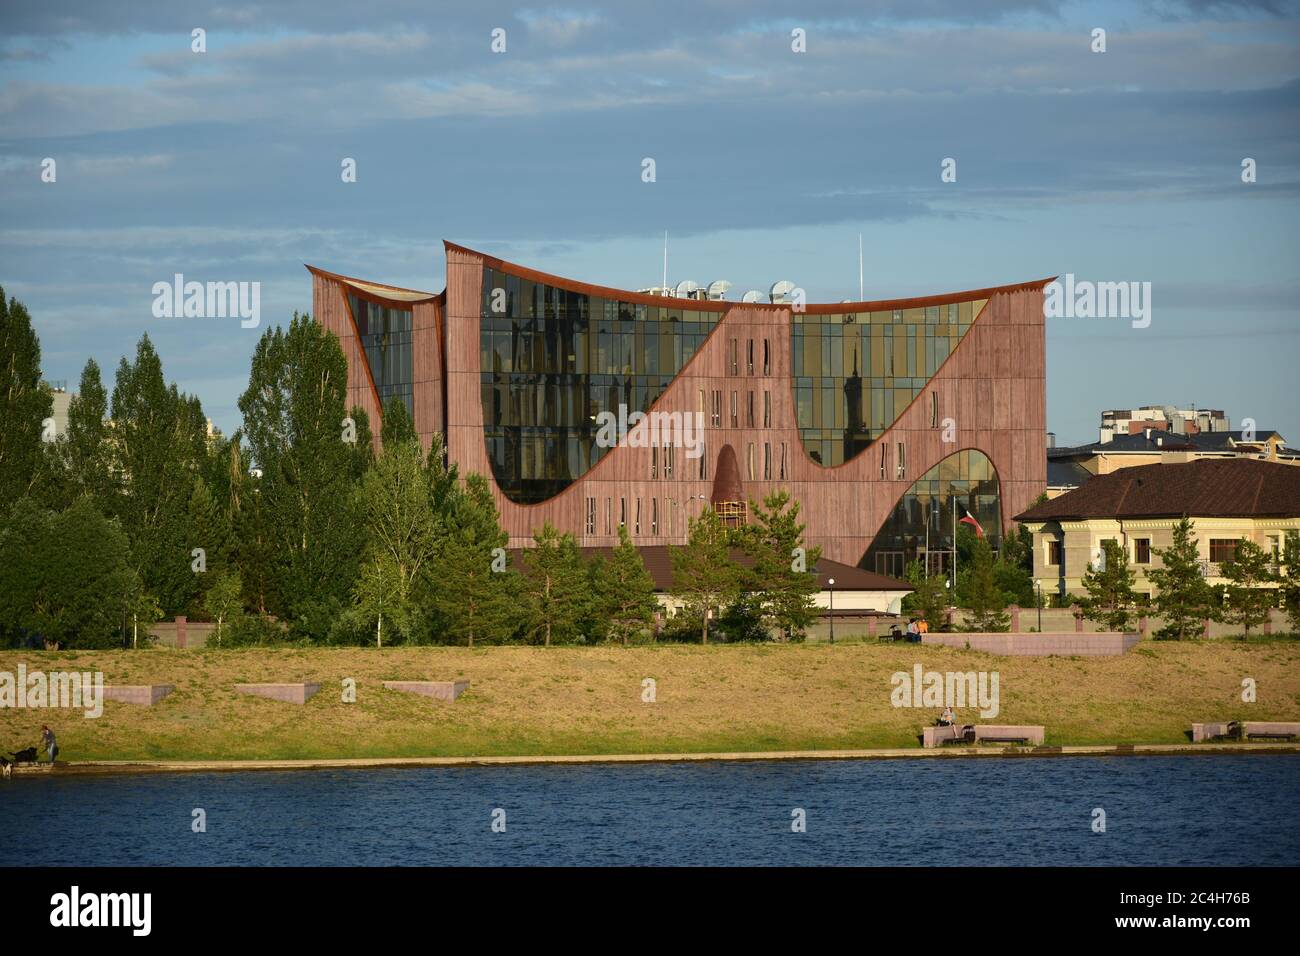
[[1207, 488], [659, 563]]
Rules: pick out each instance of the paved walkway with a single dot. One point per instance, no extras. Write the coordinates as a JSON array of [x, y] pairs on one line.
[[166, 766]]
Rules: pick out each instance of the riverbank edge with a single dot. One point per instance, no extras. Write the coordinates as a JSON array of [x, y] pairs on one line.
[[91, 767]]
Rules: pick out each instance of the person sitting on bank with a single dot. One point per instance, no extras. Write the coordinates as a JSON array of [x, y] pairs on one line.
[[947, 718], [48, 742]]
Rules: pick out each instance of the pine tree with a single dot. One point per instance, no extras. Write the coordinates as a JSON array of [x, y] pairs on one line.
[[781, 576], [625, 590], [1110, 599], [557, 585], [1183, 599], [475, 594], [983, 596], [704, 576], [930, 598], [25, 402], [1246, 601]]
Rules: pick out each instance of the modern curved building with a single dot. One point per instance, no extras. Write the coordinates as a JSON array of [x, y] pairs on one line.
[[886, 420]]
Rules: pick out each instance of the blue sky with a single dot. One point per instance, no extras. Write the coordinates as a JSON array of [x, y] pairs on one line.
[[1123, 165]]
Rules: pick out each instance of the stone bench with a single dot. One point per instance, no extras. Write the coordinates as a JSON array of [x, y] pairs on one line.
[[1047, 644], [289, 693], [1010, 733], [1271, 730], [438, 689], [1214, 731], [937, 736], [146, 695]]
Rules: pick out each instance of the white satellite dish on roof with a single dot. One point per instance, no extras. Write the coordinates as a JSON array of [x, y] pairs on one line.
[[781, 291], [753, 295], [718, 289], [686, 289]]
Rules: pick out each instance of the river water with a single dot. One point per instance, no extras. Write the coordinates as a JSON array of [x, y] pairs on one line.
[[1176, 810]]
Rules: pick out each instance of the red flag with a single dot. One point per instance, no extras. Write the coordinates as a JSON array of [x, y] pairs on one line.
[[970, 520]]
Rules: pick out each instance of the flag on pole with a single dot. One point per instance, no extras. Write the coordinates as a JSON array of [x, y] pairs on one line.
[[968, 518]]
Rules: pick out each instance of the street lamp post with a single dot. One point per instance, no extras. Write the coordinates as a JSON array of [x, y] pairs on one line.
[[831, 582], [1039, 586]]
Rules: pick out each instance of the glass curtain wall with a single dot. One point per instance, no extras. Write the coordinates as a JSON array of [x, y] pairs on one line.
[[386, 338], [552, 360], [922, 526], [855, 373]]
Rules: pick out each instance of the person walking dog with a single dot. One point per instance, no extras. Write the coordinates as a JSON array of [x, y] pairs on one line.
[[48, 741]]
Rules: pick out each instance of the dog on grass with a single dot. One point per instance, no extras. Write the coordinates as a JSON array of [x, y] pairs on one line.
[[25, 756]]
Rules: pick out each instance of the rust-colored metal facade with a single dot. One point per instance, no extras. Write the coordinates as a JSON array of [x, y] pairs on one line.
[[991, 389]]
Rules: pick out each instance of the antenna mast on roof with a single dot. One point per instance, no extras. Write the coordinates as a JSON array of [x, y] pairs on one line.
[[665, 285], [861, 294]]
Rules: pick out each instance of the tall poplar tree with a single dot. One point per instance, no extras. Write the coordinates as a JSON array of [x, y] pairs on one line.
[[87, 454], [158, 445], [294, 410], [25, 402]]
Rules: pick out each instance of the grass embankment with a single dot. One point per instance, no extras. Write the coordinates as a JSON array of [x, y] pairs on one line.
[[533, 701]]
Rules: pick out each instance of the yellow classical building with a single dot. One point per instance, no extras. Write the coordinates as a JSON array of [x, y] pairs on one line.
[[1229, 500]]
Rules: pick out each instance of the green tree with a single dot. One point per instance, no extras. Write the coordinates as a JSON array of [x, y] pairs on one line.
[[984, 599], [208, 528], [64, 576], [475, 594], [557, 585], [1247, 602], [159, 442], [704, 576], [779, 576], [625, 591], [25, 402], [1183, 599], [397, 426], [377, 595], [294, 411], [1110, 598], [929, 597], [224, 601], [86, 450], [401, 534], [1290, 579]]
